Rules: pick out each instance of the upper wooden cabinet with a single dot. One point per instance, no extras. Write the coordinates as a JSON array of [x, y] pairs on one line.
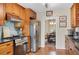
[[2, 13], [22, 12], [12, 8], [16, 10], [75, 15], [31, 13], [9, 8]]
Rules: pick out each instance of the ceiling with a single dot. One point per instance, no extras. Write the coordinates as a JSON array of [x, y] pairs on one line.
[[50, 6], [58, 6]]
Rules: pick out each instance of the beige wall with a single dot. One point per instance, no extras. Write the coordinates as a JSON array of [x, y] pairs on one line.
[[61, 32]]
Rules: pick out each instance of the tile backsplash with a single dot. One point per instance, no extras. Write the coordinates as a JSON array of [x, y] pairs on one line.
[[9, 29]]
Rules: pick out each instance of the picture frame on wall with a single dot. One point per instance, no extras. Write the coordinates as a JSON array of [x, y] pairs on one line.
[[62, 21], [49, 13]]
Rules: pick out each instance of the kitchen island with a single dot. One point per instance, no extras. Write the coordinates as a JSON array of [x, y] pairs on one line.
[[70, 45]]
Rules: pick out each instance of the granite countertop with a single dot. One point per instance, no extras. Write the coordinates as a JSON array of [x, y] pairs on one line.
[[7, 39], [72, 38]]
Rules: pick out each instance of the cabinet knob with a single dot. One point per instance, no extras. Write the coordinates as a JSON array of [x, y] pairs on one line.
[[70, 48]]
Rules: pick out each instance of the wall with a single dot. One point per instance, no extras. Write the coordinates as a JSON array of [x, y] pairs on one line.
[[42, 17], [61, 32]]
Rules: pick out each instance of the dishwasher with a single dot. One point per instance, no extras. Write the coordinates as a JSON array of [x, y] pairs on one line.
[[20, 46]]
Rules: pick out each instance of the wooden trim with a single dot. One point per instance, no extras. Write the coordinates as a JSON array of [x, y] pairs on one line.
[[61, 51]]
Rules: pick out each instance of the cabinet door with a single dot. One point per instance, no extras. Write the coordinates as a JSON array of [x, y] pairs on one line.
[[71, 47], [16, 9], [9, 48], [22, 12], [2, 13], [32, 14], [9, 8], [12, 8], [73, 16], [2, 49], [77, 14], [67, 46]]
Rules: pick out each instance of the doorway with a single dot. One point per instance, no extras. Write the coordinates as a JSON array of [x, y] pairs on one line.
[[50, 33]]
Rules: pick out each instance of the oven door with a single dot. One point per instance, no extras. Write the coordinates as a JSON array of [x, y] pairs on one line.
[[20, 48]]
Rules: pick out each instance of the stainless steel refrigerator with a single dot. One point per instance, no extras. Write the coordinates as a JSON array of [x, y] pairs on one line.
[[35, 31]]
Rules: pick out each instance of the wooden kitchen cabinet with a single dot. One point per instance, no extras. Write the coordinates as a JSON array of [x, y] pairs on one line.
[[12, 8], [22, 12], [2, 13], [32, 13], [29, 15], [75, 15], [16, 10], [26, 14], [70, 47], [6, 48], [9, 8], [2, 49]]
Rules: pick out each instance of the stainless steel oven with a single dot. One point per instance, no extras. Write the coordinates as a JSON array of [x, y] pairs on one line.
[[20, 46]]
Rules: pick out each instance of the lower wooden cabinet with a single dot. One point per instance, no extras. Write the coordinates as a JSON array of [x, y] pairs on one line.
[[70, 47], [6, 48]]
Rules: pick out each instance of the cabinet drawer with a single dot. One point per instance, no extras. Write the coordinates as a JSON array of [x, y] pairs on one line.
[[2, 50], [2, 47], [9, 44], [2, 53], [6, 48], [9, 52], [9, 48]]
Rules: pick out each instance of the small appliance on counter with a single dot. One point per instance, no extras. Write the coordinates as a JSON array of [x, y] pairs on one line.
[[70, 32], [76, 33]]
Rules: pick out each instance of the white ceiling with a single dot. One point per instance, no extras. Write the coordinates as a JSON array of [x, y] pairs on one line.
[[58, 6], [40, 6]]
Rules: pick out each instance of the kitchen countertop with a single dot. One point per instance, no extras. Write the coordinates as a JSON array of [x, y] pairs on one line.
[[71, 37], [7, 39], [73, 40]]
